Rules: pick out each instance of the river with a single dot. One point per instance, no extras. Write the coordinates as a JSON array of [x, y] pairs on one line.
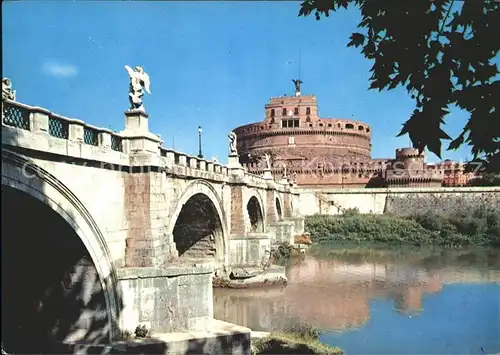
[[382, 301]]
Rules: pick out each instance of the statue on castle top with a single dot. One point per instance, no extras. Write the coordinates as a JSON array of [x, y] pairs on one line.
[[267, 158], [232, 143], [139, 82], [297, 86], [7, 92]]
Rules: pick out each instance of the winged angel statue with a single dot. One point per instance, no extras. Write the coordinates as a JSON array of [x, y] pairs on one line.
[[139, 82]]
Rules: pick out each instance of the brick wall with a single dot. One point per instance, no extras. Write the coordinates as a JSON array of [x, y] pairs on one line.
[[139, 246], [272, 215], [237, 211], [147, 210], [287, 209], [405, 204], [399, 200]]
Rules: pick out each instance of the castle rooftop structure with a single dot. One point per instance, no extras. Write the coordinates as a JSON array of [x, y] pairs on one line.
[[315, 151]]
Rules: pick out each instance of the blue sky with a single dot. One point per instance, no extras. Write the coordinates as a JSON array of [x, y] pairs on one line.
[[213, 64]]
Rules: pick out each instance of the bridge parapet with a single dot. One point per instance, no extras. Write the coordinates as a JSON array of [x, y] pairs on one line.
[[76, 139], [39, 120]]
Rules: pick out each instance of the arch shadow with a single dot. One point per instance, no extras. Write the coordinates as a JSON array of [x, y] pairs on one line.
[[199, 223], [256, 214], [31, 189], [279, 210]]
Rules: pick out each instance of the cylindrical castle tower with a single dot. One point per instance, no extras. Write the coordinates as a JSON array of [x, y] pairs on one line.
[[315, 151], [410, 170]]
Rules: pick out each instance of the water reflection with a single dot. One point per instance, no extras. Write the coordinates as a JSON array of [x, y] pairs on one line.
[[333, 289]]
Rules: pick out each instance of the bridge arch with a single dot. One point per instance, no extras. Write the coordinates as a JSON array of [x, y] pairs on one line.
[[256, 213], [279, 208], [30, 188], [199, 223]]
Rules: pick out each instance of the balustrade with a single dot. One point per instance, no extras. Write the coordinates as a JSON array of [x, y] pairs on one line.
[[40, 120]]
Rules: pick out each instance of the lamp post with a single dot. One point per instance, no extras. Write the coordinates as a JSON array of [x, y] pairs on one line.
[[200, 154]]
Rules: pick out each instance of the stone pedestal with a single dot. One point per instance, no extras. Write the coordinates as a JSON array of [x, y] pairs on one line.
[[136, 121], [234, 165], [136, 134], [234, 162], [267, 175]]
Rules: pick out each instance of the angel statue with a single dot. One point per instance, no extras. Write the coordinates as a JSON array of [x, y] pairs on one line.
[[7, 91], [138, 80], [297, 86], [232, 143], [267, 157]]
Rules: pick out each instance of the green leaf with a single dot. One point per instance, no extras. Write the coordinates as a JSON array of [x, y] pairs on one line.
[[357, 39]]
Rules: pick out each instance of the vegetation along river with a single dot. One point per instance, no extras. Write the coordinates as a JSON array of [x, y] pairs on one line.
[[382, 301]]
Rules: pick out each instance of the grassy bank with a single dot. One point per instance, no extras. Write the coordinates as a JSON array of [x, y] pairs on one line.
[[288, 343], [299, 338], [480, 227]]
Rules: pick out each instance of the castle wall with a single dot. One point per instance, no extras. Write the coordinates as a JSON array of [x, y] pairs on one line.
[[401, 201]]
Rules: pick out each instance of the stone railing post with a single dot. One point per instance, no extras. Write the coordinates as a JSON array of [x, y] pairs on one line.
[[39, 120], [182, 160], [105, 138], [75, 133]]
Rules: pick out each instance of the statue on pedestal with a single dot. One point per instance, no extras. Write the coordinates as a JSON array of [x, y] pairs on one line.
[[7, 92], [139, 82], [267, 158], [297, 86], [232, 143]]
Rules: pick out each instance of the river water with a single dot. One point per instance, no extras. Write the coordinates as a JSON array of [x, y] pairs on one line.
[[382, 301]]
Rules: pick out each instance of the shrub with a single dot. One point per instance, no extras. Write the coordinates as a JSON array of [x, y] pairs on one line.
[[141, 331], [289, 343], [283, 253], [303, 329], [479, 227]]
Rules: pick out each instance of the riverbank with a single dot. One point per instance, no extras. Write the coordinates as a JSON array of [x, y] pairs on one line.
[[286, 343], [297, 338], [480, 227]]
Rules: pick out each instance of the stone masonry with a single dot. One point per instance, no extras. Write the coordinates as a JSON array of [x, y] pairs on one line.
[[397, 200], [124, 192]]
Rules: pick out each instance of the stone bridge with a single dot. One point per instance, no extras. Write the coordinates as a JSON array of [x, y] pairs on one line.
[[114, 230]]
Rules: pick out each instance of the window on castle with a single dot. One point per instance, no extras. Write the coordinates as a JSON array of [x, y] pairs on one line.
[[272, 112], [308, 119], [296, 123], [329, 125], [290, 123], [284, 123], [284, 112], [349, 126], [308, 111], [296, 111]]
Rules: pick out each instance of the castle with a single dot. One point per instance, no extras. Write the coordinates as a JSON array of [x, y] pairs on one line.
[[317, 152]]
